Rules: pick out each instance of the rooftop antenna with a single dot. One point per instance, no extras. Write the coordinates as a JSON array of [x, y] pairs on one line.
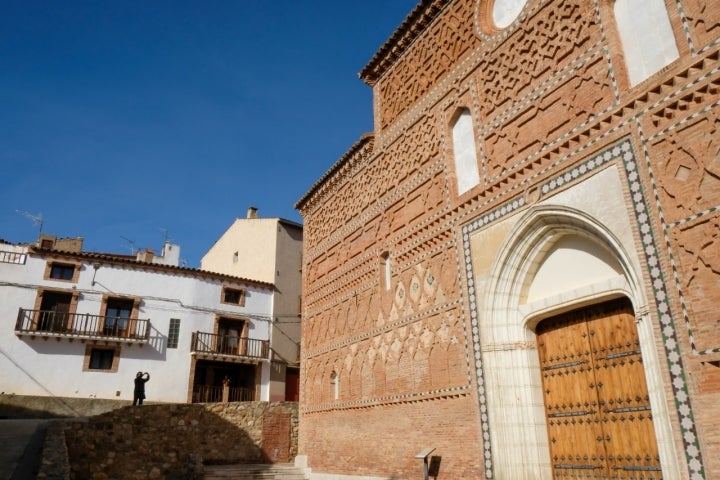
[[131, 242], [166, 235], [36, 219]]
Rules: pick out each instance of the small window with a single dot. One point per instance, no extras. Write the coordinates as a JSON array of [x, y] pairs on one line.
[[466, 166], [101, 359], [335, 381], [62, 271], [505, 12], [174, 333], [235, 257], [386, 268], [234, 296]]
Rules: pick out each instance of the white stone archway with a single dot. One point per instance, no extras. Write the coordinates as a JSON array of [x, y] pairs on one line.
[[551, 259]]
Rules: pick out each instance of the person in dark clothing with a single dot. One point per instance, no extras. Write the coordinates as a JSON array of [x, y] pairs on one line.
[[139, 393]]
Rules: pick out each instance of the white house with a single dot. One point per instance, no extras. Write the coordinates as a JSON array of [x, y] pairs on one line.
[[81, 324]]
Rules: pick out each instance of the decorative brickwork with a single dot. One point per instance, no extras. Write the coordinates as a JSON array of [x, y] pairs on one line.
[[555, 123], [702, 20], [437, 52]]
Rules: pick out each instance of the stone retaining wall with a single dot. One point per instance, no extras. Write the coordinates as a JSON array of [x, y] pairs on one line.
[[25, 406], [173, 441]]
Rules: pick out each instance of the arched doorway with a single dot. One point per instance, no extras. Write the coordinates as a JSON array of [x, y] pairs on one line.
[[597, 405], [527, 270]]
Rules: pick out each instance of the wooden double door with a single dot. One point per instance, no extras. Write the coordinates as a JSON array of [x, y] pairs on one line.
[[596, 398]]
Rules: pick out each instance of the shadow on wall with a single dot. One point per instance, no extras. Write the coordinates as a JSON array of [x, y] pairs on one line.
[[20, 412], [25, 406], [164, 441], [434, 467]]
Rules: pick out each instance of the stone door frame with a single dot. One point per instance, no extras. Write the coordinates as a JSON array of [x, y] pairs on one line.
[[511, 401]]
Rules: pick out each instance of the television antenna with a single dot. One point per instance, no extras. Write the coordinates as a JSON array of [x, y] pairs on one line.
[[36, 219], [131, 242], [166, 235]]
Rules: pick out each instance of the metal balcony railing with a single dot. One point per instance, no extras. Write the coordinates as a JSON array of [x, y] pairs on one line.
[[228, 345], [80, 325], [213, 394]]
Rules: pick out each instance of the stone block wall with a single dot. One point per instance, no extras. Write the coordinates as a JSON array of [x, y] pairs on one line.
[[174, 441]]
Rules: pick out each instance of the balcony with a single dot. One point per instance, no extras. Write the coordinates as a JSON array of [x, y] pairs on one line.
[[209, 346], [83, 326], [13, 257], [213, 394]]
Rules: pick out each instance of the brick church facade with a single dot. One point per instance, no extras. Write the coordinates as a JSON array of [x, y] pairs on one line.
[[520, 266]]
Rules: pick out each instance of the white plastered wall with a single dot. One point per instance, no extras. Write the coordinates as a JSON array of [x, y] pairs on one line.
[[573, 249], [647, 37], [466, 165]]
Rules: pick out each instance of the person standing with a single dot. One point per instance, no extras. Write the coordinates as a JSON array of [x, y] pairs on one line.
[[139, 392]]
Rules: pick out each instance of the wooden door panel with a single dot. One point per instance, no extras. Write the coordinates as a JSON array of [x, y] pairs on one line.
[[595, 393], [571, 403], [622, 392]]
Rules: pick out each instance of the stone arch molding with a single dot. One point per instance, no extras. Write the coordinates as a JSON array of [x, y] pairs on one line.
[[531, 252], [589, 264]]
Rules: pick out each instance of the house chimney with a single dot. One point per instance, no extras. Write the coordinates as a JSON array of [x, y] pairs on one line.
[[145, 256], [252, 212]]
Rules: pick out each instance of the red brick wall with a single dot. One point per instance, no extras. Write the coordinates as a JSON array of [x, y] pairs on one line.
[[383, 440], [543, 96]]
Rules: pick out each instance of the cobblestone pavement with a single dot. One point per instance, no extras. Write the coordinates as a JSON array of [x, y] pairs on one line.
[[21, 442]]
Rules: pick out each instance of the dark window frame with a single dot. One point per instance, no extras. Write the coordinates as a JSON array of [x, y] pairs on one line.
[[234, 296], [173, 333], [101, 359], [62, 271]]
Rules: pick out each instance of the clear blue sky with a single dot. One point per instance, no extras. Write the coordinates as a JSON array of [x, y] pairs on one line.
[[124, 119]]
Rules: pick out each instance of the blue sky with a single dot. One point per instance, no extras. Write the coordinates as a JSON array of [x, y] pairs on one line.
[[126, 121]]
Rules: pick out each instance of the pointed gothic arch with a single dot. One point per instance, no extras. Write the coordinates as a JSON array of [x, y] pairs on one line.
[[588, 265]]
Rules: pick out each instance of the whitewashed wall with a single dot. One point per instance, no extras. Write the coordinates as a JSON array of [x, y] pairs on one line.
[[53, 367]]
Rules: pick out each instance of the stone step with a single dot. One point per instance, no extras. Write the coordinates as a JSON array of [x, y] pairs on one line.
[[277, 471]]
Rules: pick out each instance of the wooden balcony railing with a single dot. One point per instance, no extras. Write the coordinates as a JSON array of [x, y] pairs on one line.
[[213, 394], [228, 345], [80, 325]]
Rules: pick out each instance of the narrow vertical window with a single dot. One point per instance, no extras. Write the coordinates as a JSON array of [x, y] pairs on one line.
[[386, 269], [647, 37], [174, 333], [466, 167], [335, 381]]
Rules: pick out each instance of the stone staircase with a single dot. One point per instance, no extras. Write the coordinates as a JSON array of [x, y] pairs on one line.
[[276, 471]]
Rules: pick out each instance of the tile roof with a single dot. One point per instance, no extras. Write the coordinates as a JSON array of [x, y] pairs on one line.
[[414, 24], [365, 138], [131, 261]]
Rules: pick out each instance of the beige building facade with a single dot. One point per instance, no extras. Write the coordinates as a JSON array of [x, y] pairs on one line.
[[519, 267], [268, 250]]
